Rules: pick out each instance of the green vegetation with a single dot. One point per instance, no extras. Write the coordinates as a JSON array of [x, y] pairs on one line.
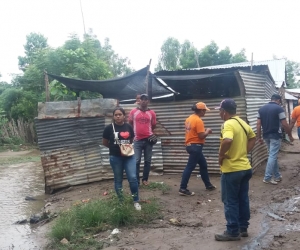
[[176, 56], [79, 224], [18, 159], [157, 185]]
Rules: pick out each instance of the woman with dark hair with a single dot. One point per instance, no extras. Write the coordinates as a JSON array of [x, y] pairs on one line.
[[195, 135], [123, 132]]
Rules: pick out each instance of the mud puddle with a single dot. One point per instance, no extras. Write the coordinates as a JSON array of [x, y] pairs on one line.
[[16, 182]]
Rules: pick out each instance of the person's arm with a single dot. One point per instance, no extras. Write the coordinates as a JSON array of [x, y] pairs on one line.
[[130, 118], [287, 129], [250, 144], [292, 124], [153, 122], [225, 146], [203, 135], [105, 142]]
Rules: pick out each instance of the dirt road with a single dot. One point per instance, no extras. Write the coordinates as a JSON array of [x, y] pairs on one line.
[[275, 212]]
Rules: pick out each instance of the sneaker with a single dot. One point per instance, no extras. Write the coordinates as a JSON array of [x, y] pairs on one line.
[[137, 206], [243, 232], [270, 182], [210, 188], [226, 237], [185, 192], [279, 179]]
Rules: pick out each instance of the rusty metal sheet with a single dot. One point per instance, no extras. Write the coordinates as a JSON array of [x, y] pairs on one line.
[[73, 166], [79, 108]]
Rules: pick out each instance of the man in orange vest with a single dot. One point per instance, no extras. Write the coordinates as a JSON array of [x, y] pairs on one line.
[[296, 118]]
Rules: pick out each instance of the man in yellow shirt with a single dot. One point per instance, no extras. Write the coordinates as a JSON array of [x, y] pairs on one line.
[[296, 118], [195, 134], [237, 140]]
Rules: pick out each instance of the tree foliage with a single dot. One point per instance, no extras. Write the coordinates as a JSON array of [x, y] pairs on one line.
[[183, 56], [83, 59], [170, 53], [292, 70]]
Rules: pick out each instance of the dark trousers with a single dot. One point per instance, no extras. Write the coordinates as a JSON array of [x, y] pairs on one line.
[[195, 157], [235, 188], [140, 147]]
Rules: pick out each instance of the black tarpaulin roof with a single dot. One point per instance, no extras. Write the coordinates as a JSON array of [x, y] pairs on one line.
[[121, 88]]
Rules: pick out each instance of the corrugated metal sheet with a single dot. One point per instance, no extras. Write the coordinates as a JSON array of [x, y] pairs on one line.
[[255, 84], [74, 165], [288, 96], [276, 67], [71, 148], [79, 108], [259, 153], [259, 89], [63, 133], [170, 128]]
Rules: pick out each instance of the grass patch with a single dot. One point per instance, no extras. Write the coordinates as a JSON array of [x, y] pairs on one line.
[[81, 222], [157, 186], [18, 159], [17, 147]]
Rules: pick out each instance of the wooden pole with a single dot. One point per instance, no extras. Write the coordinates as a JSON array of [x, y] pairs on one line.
[[251, 60], [148, 87], [47, 86], [82, 18]]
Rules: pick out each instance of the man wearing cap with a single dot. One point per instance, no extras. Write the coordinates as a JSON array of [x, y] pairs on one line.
[[237, 140], [143, 121], [195, 135], [270, 118], [296, 118]]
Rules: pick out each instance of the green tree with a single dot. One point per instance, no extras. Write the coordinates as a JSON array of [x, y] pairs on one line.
[[239, 57], [169, 57], [292, 70], [224, 56], [188, 56], [85, 59], [209, 55], [35, 42], [175, 56]]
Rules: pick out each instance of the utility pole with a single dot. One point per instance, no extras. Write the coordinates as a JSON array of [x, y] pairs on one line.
[[82, 17]]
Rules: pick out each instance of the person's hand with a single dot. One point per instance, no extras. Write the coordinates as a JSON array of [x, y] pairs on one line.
[[209, 131], [221, 158], [291, 138]]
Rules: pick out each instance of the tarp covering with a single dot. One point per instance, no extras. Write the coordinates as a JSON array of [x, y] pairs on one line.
[[121, 88]]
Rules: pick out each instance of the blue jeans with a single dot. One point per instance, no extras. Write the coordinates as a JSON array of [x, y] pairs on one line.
[[119, 164], [195, 157], [235, 187], [272, 168], [139, 147], [298, 129]]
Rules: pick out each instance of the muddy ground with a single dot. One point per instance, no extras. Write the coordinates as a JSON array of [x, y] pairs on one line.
[[275, 212]]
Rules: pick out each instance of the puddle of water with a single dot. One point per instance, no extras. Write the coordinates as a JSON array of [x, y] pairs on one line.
[[17, 182], [288, 206], [256, 242]]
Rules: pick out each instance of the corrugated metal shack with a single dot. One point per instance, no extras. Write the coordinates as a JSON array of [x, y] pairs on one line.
[[69, 133], [249, 88]]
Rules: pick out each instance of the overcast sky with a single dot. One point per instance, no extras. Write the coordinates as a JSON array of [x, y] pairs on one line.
[[138, 28]]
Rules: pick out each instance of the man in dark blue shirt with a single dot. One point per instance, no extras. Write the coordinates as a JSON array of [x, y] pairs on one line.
[[270, 118]]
